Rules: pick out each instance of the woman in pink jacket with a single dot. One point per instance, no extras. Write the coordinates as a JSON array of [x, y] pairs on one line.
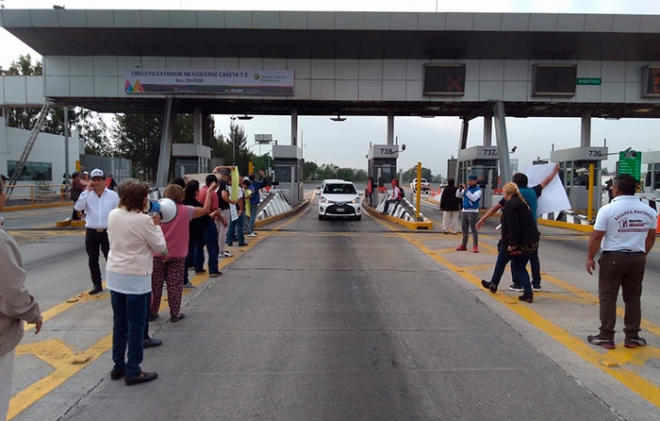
[[173, 269]]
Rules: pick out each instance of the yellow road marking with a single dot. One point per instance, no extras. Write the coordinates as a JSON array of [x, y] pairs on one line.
[[73, 301], [65, 368], [630, 379]]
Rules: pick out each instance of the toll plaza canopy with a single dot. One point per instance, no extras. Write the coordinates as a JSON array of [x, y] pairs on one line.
[[321, 63]]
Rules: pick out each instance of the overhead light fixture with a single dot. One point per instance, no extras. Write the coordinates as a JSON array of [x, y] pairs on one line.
[[338, 118], [514, 149], [245, 117], [58, 7]]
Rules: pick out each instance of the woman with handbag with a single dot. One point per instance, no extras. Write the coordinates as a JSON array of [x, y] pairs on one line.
[[520, 239]]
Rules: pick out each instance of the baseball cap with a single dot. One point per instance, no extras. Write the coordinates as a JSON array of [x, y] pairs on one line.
[[224, 172], [96, 173], [472, 177]]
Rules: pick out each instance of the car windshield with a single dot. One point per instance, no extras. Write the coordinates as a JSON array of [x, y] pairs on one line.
[[339, 189]]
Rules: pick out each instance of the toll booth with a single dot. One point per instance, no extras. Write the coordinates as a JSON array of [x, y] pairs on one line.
[[287, 170], [382, 163], [481, 161], [574, 174], [651, 172], [190, 158]]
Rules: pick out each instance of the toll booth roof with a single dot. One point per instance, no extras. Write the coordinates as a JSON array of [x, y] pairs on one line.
[[336, 35]]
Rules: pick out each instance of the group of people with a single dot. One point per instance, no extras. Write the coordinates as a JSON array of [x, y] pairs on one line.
[[144, 253], [624, 232]]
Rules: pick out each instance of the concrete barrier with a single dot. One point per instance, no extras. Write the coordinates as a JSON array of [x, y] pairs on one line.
[[401, 213]]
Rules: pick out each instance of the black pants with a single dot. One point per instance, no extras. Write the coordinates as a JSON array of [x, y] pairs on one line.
[[95, 240]]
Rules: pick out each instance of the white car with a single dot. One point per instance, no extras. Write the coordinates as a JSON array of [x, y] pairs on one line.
[[425, 185], [339, 198]]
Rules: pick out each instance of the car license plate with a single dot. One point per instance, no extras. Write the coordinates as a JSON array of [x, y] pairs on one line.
[[340, 210]]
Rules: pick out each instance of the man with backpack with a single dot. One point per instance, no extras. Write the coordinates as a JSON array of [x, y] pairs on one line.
[[396, 197]]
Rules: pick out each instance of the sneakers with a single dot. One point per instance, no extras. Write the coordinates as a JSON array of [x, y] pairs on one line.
[[516, 287], [634, 342], [489, 286], [536, 288], [215, 274], [605, 343], [226, 254], [462, 247], [190, 285], [252, 234], [475, 249], [527, 296]]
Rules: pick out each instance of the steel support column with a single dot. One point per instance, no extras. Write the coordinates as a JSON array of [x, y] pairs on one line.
[[197, 126], [585, 130], [502, 142], [166, 144], [462, 144], [294, 127], [390, 128], [488, 129]]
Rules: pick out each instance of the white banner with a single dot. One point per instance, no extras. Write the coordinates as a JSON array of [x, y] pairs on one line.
[[209, 81], [553, 198]]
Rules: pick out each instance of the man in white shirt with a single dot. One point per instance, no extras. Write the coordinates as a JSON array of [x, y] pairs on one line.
[[97, 201], [626, 230]]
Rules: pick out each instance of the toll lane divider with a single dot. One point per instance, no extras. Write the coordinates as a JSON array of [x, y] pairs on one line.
[[277, 205], [610, 362], [401, 213]]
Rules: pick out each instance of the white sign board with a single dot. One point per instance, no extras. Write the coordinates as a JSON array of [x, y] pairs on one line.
[[384, 151], [553, 198], [208, 81]]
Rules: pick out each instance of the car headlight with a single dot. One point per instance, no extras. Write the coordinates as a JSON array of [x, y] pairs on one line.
[[324, 200], [355, 201]]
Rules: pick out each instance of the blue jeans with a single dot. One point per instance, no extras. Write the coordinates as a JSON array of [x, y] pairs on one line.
[[236, 228], [209, 239], [518, 268], [254, 208], [129, 318]]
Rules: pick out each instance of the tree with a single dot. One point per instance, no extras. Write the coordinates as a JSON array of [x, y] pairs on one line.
[[137, 137], [239, 153], [309, 171]]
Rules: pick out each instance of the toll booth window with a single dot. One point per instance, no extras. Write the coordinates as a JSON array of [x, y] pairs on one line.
[[656, 177], [339, 189]]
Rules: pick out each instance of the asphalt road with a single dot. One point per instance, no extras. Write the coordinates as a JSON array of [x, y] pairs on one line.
[[332, 320]]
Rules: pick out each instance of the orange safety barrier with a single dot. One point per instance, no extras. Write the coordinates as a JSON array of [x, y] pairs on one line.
[[657, 230]]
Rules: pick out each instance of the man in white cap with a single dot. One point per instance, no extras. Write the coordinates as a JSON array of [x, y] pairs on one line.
[[97, 201]]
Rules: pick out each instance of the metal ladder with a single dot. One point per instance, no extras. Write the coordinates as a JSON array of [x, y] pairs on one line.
[[36, 129]]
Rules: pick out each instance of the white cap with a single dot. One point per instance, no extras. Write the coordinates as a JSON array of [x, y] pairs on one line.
[[96, 173]]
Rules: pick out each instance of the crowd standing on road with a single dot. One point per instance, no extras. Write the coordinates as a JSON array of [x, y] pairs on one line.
[[97, 201], [16, 305]]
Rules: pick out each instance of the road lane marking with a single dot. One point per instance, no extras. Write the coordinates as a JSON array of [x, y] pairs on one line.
[[630, 379], [65, 368]]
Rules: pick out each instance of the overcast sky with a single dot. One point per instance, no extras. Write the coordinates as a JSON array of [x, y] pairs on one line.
[[430, 141]]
